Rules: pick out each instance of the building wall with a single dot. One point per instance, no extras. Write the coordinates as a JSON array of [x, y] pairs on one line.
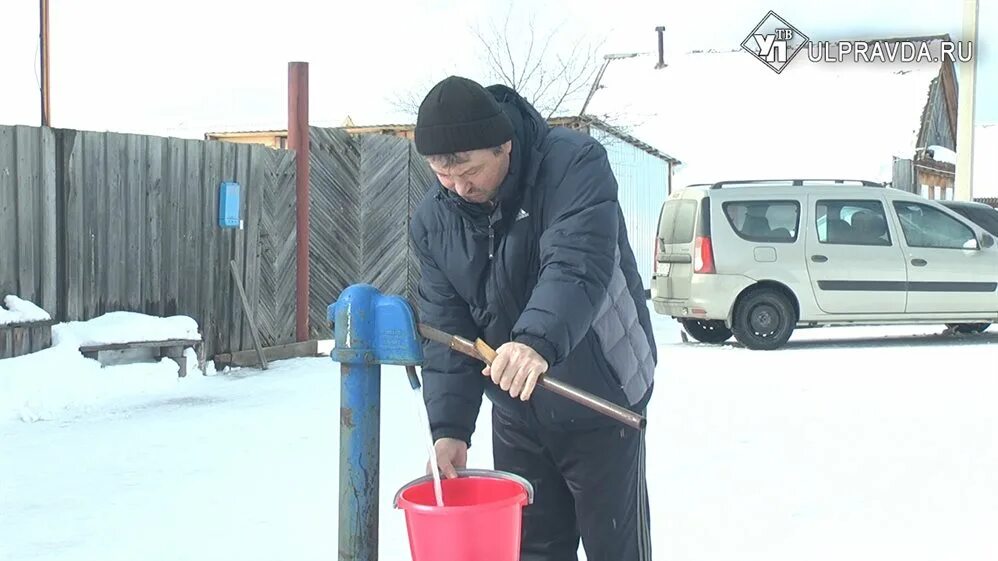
[[643, 186], [904, 175], [277, 141], [938, 128]]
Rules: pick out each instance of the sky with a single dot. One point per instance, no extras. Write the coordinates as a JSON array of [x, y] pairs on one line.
[[190, 66]]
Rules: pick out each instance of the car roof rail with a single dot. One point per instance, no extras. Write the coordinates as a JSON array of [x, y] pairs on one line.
[[796, 182]]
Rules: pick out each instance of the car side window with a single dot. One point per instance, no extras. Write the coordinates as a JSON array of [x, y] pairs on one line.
[[764, 221], [986, 218], [852, 222], [928, 227]]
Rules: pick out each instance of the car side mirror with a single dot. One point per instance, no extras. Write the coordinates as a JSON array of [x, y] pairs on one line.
[[987, 241]]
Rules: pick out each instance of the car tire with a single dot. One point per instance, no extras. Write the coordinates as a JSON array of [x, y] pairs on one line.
[[707, 331], [968, 328], [764, 319]]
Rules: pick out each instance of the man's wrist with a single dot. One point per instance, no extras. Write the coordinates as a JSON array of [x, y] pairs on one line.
[[540, 345], [452, 432]]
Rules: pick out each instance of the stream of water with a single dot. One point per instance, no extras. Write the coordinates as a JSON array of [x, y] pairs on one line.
[[424, 424]]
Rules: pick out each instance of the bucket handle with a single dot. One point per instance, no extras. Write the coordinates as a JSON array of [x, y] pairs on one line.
[[473, 473]]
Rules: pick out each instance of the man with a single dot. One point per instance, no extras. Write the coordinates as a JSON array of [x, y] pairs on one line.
[[523, 244]]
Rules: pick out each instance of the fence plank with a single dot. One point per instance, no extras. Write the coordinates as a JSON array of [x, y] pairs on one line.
[[27, 140], [114, 266], [171, 240], [254, 194], [134, 186], [26, 246], [74, 233], [209, 241], [238, 245], [190, 221], [93, 194], [223, 279], [8, 212], [50, 261], [152, 283]]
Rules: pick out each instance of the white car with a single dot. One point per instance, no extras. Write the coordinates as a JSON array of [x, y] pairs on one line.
[[757, 259]]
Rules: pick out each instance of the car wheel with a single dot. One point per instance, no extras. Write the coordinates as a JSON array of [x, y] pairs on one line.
[[764, 319], [707, 331], [968, 328]]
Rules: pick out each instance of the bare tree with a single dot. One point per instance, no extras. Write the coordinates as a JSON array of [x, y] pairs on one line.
[[550, 67], [552, 71]]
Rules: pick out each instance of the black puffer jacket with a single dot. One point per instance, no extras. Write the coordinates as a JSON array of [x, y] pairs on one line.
[[551, 267]]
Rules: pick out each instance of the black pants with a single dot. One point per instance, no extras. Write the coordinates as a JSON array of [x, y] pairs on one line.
[[588, 484]]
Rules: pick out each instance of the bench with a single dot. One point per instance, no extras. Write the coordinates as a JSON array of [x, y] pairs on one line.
[[168, 348], [18, 339]]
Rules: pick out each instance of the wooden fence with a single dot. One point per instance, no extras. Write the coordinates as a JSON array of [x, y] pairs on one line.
[[363, 190], [28, 212], [92, 223]]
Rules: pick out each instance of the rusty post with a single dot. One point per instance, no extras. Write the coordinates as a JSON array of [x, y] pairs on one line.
[[298, 135], [45, 63]]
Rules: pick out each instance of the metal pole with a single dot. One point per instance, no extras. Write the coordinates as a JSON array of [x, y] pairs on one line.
[[360, 423], [298, 140], [963, 188]]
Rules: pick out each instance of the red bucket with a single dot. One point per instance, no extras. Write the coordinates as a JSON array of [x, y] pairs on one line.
[[481, 518]]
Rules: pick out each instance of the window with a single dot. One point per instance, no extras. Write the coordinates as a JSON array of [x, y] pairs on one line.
[[852, 223], [925, 226], [986, 218], [764, 221], [678, 221]]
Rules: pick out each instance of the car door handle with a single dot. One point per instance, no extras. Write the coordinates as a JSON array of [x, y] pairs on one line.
[[919, 262], [819, 258]]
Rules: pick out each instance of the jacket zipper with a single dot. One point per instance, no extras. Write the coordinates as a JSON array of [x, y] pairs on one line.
[[492, 240]]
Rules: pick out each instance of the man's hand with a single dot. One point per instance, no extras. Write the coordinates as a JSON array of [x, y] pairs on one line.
[[452, 455], [516, 369]]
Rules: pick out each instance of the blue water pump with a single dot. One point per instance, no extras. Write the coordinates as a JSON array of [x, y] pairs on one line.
[[369, 329]]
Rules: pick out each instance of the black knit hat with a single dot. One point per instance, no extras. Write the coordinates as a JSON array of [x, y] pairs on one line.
[[459, 115]]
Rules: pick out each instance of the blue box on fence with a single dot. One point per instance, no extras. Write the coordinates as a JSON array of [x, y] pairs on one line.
[[228, 205]]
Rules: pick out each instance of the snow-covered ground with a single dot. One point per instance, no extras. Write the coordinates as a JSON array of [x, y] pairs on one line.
[[812, 452], [41, 385]]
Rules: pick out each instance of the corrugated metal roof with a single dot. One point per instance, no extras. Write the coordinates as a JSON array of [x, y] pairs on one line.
[[617, 132]]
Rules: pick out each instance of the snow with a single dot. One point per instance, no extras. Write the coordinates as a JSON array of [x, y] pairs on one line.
[[21, 311], [125, 327], [812, 452], [726, 116], [57, 381], [942, 154]]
